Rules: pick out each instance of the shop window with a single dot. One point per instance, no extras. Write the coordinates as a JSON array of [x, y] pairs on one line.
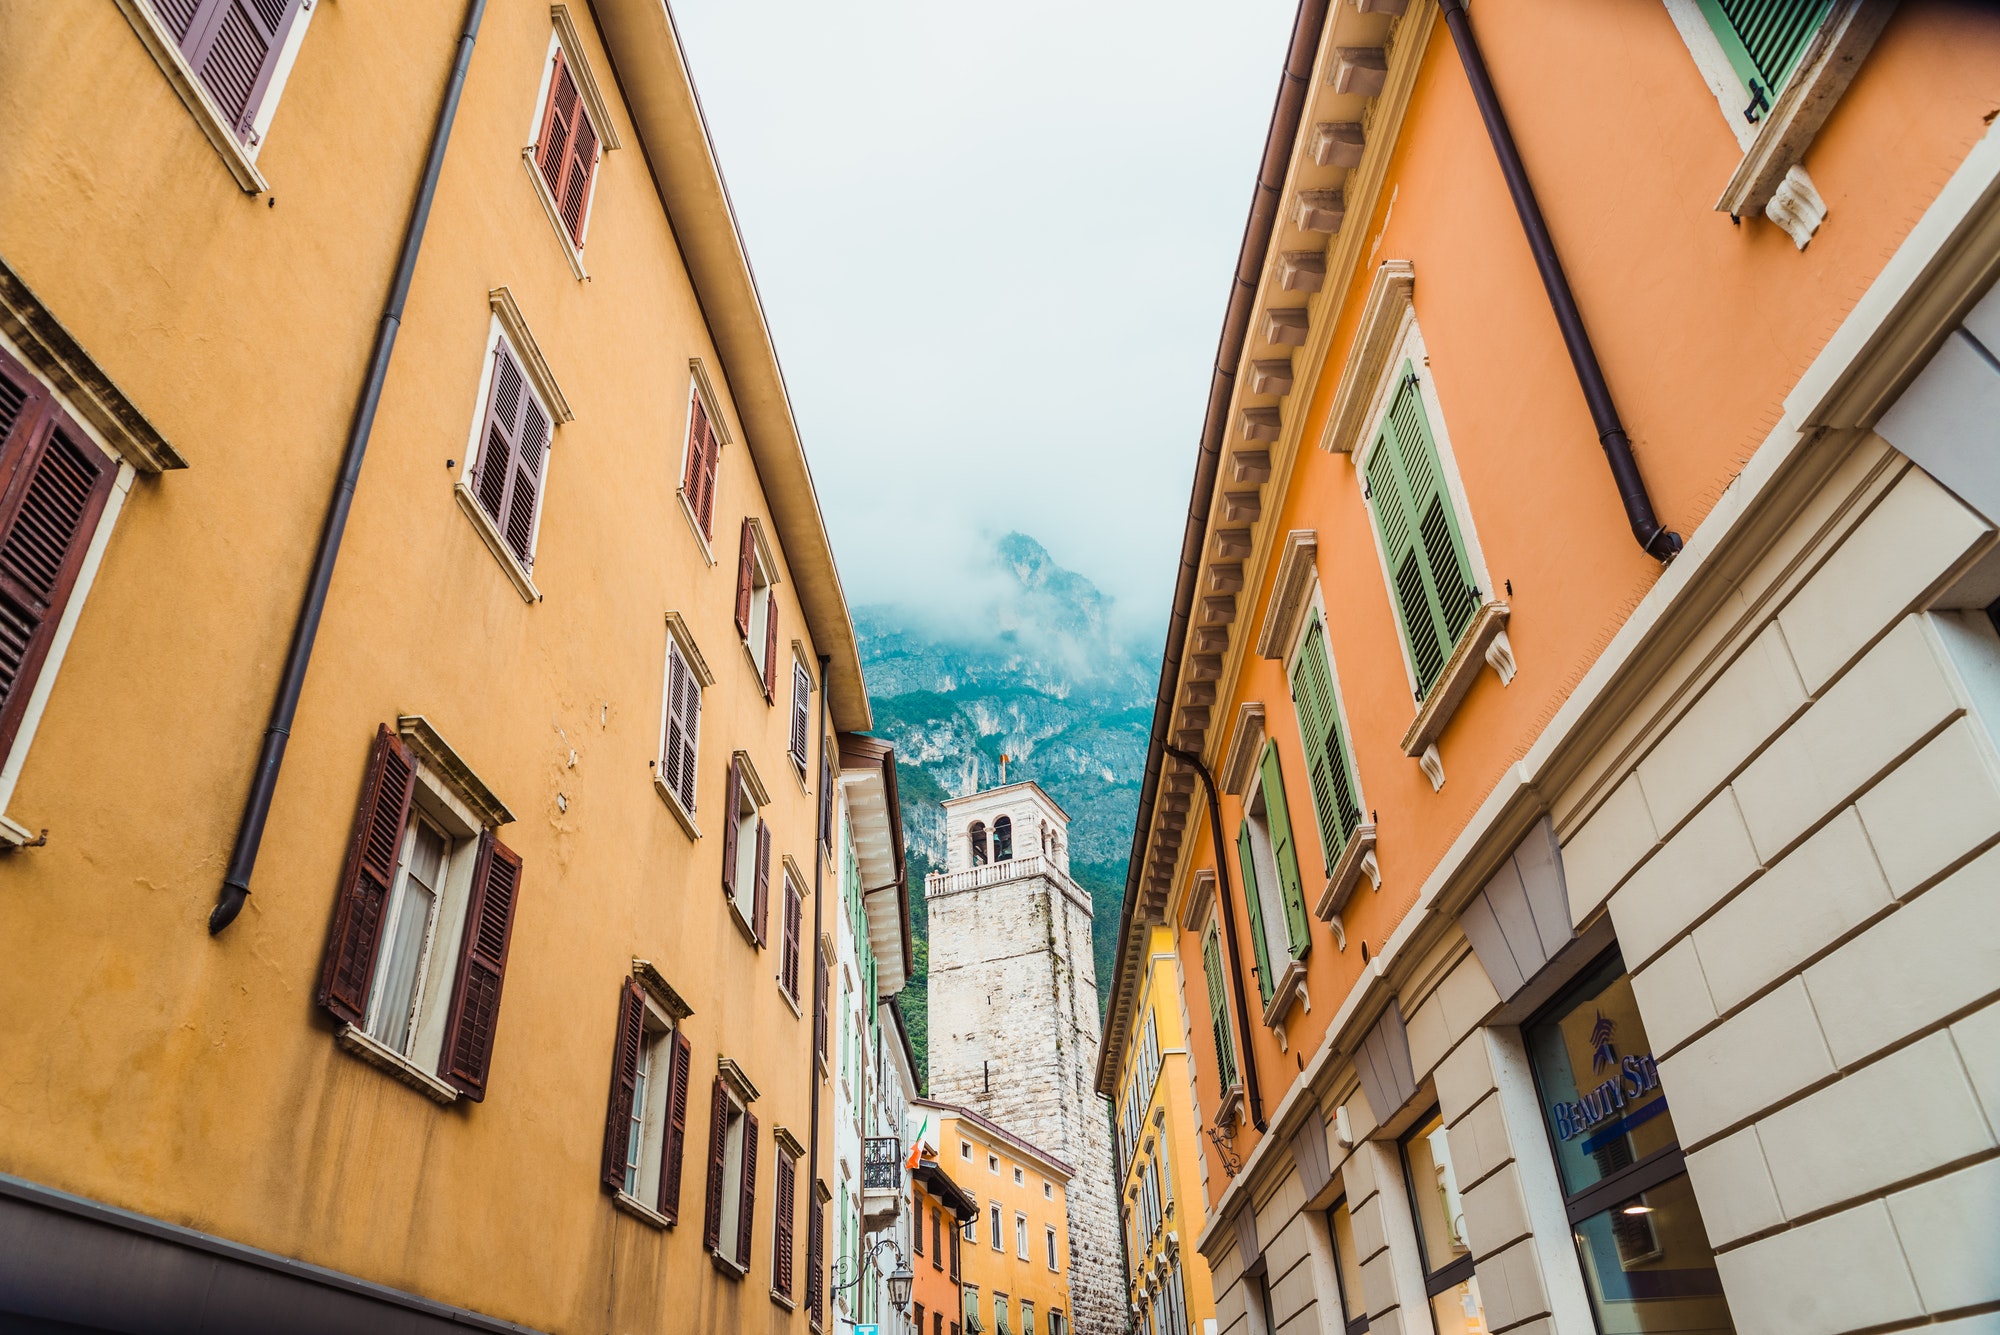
[[1347, 1269], [1639, 1234], [1440, 1214]]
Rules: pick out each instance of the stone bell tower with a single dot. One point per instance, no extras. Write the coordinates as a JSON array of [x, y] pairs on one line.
[[1013, 1012]]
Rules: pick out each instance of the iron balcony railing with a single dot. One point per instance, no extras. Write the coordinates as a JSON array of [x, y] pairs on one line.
[[881, 1164]]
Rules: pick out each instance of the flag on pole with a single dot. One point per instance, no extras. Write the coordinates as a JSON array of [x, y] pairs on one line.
[[917, 1146]]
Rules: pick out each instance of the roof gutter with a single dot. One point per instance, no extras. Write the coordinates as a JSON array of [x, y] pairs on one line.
[[1278, 141], [1657, 542]]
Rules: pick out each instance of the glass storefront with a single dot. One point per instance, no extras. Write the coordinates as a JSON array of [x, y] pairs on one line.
[[1440, 1216], [1347, 1268], [1639, 1235]]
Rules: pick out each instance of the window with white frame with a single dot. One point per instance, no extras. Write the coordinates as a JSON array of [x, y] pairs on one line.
[[970, 1230], [1021, 1236], [1049, 1237], [571, 130], [746, 848], [1048, 1191], [425, 910], [995, 1232], [1272, 888], [1324, 739], [732, 1170], [701, 457], [756, 604], [1019, 1177], [686, 677], [229, 60], [505, 475], [791, 951], [646, 1125]]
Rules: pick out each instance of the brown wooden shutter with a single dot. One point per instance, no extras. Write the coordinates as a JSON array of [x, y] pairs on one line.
[[816, 1260], [558, 121], [794, 915], [771, 646], [746, 568], [482, 968], [56, 483], [697, 451], [761, 905], [801, 711], [233, 47], [631, 1039], [711, 458], [732, 803], [578, 173], [956, 1237], [819, 1003], [746, 1214], [786, 1205], [675, 1143], [372, 853], [718, 1154]]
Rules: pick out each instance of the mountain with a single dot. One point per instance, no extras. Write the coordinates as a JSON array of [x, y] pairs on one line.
[[1027, 663]]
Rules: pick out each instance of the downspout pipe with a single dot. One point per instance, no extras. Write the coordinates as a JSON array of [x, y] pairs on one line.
[[1659, 543], [822, 967], [271, 756], [1252, 1094]]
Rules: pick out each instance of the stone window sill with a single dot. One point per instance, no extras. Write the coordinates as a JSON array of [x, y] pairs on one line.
[[1483, 643], [1231, 1109], [673, 801], [384, 1058], [482, 523], [160, 44], [728, 1265], [694, 523], [641, 1211], [1356, 860], [13, 834], [1291, 987]]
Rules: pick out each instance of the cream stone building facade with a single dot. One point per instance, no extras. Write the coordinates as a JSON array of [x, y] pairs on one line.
[[1013, 1012]]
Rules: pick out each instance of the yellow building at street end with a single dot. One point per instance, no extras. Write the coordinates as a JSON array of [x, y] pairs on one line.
[[1014, 1255], [1145, 1075]]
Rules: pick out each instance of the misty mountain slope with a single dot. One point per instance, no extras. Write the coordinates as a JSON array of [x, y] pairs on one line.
[[1028, 664]]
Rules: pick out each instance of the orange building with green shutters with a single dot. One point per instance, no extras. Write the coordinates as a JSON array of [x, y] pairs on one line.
[[422, 662]]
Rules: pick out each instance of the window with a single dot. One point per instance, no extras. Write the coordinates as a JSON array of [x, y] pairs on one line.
[[59, 487], [964, 1150], [992, 1163], [504, 471], [1021, 1236], [1323, 738], [423, 871], [954, 1252], [971, 1230], [994, 1234], [680, 721], [973, 1325], [234, 48], [1271, 885], [784, 1213], [978, 837], [1049, 1236], [1418, 526], [1645, 1253], [1056, 1325], [816, 1257], [1003, 839], [937, 1238], [1001, 1325], [1027, 1317], [1048, 1191], [1440, 1216], [732, 1175], [1763, 40], [568, 144], [746, 849], [1218, 1009], [1347, 1268], [756, 609], [1019, 1177], [802, 689], [788, 966], [646, 1125], [700, 460]]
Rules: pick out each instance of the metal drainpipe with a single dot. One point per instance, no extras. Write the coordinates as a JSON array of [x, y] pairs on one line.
[[1252, 1094], [1659, 543], [823, 818], [271, 758]]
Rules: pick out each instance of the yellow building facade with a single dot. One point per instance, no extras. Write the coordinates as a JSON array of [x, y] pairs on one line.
[[1147, 1078], [1014, 1254], [515, 1028]]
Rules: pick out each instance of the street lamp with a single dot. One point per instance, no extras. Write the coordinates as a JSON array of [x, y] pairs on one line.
[[900, 1278]]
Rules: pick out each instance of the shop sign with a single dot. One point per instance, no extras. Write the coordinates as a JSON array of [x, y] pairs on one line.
[[1630, 1079]]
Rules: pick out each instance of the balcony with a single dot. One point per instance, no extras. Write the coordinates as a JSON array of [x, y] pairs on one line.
[[992, 873], [881, 1181]]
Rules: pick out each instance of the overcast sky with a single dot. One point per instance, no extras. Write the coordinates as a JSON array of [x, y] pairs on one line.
[[994, 245]]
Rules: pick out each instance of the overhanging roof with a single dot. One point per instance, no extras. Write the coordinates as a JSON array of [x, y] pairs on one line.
[[874, 811]]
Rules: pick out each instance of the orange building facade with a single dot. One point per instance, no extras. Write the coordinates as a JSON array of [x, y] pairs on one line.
[[1572, 785]]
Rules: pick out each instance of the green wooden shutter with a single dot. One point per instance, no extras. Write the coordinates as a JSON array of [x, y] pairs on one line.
[[1335, 803], [1420, 537], [1285, 852], [1763, 40], [1218, 1010], [1255, 904]]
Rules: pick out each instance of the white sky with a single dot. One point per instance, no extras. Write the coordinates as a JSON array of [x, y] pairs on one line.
[[994, 244]]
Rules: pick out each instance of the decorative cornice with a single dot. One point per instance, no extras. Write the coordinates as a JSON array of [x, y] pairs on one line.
[[677, 626], [735, 1077], [586, 82], [1200, 896], [1297, 565], [1391, 294], [515, 326], [417, 732], [1245, 743], [659, 989]]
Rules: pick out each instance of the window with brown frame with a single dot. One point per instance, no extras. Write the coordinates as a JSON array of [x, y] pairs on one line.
[[645, 1120], [567, 149], [728, 1228]]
